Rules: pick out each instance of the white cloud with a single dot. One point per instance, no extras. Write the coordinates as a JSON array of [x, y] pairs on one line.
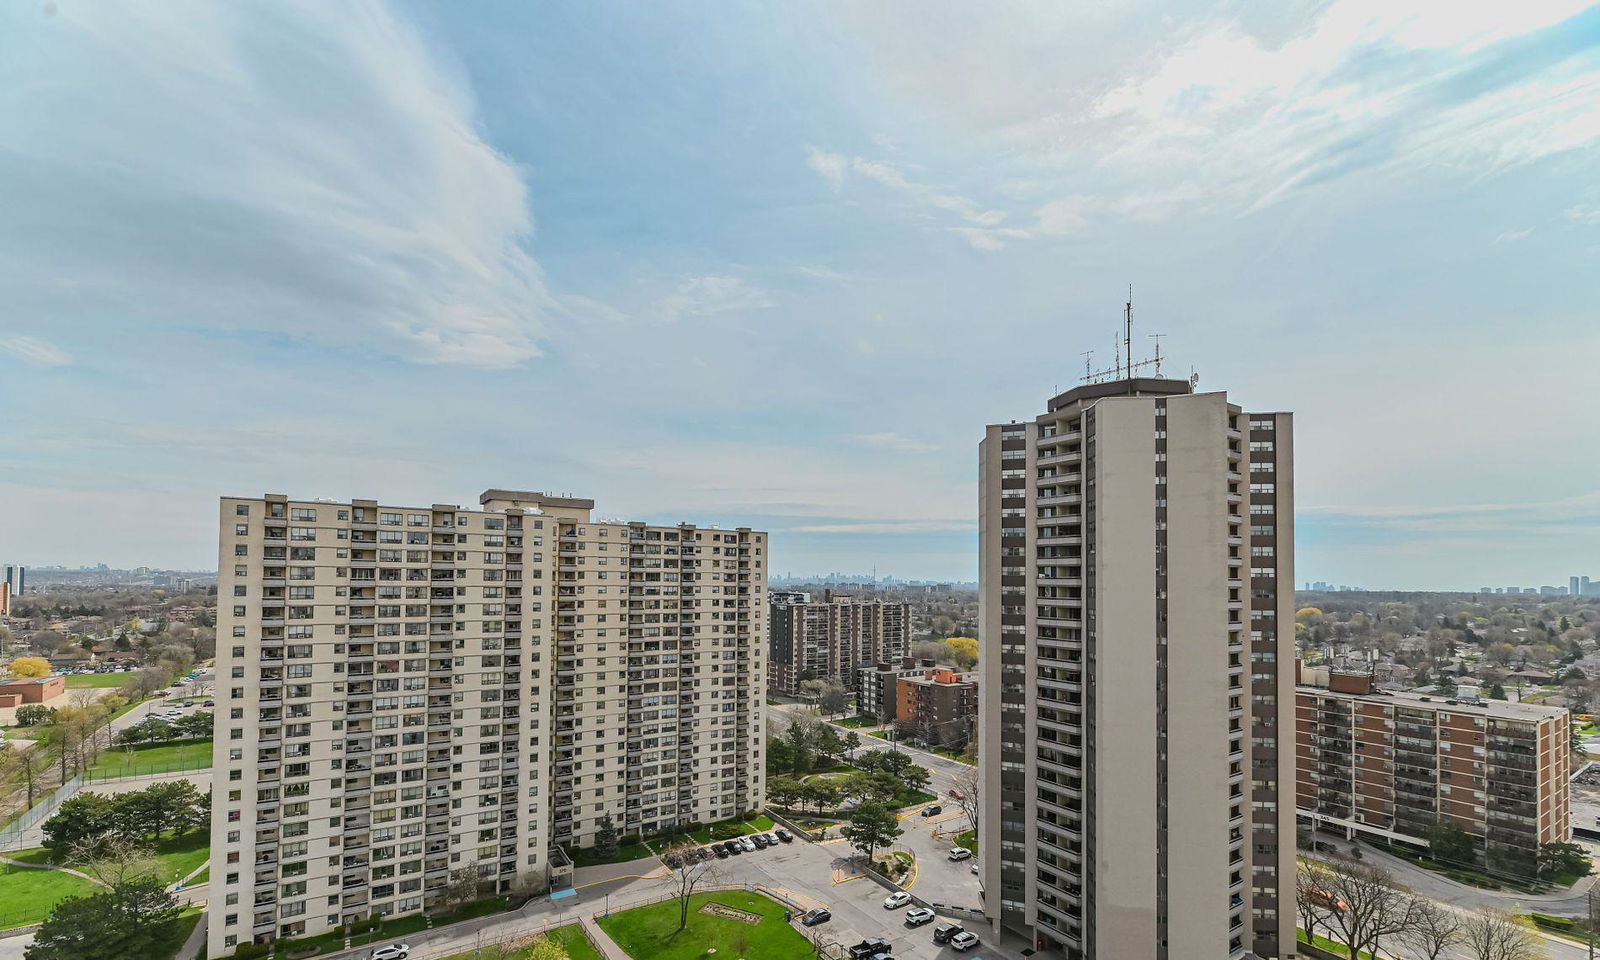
[[895, 441], [835, 168], [831, 166], [889, 527], [704, 296], [1584, 214], [36, 351], [299, 169], [1512, 236]]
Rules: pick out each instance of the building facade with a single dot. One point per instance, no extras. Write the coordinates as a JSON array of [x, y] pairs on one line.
[[830, 638], [408, 695], [939, 708], [878, 686], [1136, 605], [1393, 766]]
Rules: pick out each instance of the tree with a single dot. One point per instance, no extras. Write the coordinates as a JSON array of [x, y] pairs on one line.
[[783, 791], [1497, 691], [799, 739], [687, 872], [79, 826], [829, 744], [1434, 929], [780, 756], [34, 714], [542, 948], [819, 793], [916, 777], [1371, 905], [46, 642], [1312, 900], [606, 837], [968, 794], [852, 743], [871, 826], [127, 922], [1449, 844], [116, 860], [1499, 935], [833, 698], [30, 667], [1563, 860], [462, 886], [963, 652]]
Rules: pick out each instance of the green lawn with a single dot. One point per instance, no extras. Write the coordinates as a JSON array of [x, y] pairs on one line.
[[28, 896], [858, 721], [169, 948], [179, 856], [153, 758], [880, 734], [968, 839], [79, 681], [728, 829], [651, 932], [625, 851], [1331, 946]]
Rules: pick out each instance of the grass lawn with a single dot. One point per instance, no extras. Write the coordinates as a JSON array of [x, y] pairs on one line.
[[570, 937], [968, 839], [156, 758], [955, 755], [169, 948], [333, 940], [728, 829], [858, 722], [651, 932], [625, 852], [79, 681], [181, 855], [201, 877], [1329, 945], [880, 734], [28, 896]]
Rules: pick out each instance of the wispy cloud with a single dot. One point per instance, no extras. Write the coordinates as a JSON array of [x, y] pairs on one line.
[[895, 441], [886, 527], [836, 168], [296, 169], [36, 351], [704, 296], [1512, 236]]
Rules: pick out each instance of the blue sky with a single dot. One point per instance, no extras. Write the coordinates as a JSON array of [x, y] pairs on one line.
[[777, 264]]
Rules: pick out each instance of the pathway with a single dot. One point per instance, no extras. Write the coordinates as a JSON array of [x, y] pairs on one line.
[[1569, 903]]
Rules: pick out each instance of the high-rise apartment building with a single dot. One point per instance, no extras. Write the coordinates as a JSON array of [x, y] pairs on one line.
[[405, 693], [829, 638], [1392, 766], [1136, 606]]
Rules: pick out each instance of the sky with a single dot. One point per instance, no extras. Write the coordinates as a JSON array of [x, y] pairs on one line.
[[777, 265]]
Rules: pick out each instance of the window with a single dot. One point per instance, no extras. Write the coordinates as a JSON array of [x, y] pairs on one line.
[[302, 533], [241, 509], [303, 514]]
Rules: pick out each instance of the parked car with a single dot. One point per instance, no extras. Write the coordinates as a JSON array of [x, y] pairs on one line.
[[965, 940], [394, 951], [748, 845], [784, 835], [209, 703], [896, 900], [944, 931], [732, 846], [918, 916], [721, 850], [958, 853], [814, 917], [868, 948], [932, 810], [760, 841], [772, 839]]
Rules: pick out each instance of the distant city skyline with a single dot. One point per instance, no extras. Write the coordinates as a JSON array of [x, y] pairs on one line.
[[765, 255]]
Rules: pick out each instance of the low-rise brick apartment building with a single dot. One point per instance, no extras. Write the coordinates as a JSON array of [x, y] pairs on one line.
[[1391, 766], [940, 707]]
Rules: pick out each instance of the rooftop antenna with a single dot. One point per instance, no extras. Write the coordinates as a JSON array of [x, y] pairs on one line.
[[1117, 347], [1127, 330], [1157, 338], [1087, 356]]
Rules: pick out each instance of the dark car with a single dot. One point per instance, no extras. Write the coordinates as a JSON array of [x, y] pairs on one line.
[[784, 835], [674, 861], [760, 841], [869, 948], [721, 851], [733, 847], [944, 931], [932, 810], [814, 917]]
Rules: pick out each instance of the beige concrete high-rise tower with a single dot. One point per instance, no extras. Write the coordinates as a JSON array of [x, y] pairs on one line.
[[410, 695], [1136, 695]]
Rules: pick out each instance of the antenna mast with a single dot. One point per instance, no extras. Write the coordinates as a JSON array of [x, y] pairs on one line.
[[1157, 338]]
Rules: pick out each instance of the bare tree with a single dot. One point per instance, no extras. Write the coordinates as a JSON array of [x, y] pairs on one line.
[[115, 860], [1499, 935], [1434, 929], [1312, 900], [968, 793], [688, 870], [1367, 905], [463, 886]]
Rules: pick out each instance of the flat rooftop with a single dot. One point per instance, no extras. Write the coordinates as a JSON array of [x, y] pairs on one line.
[[1500, 709]]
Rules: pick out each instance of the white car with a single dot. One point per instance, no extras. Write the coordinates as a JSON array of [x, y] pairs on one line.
[[918, 916], [964, 940], [394, 951], [896, 900], [748, 844], [959, 853]]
